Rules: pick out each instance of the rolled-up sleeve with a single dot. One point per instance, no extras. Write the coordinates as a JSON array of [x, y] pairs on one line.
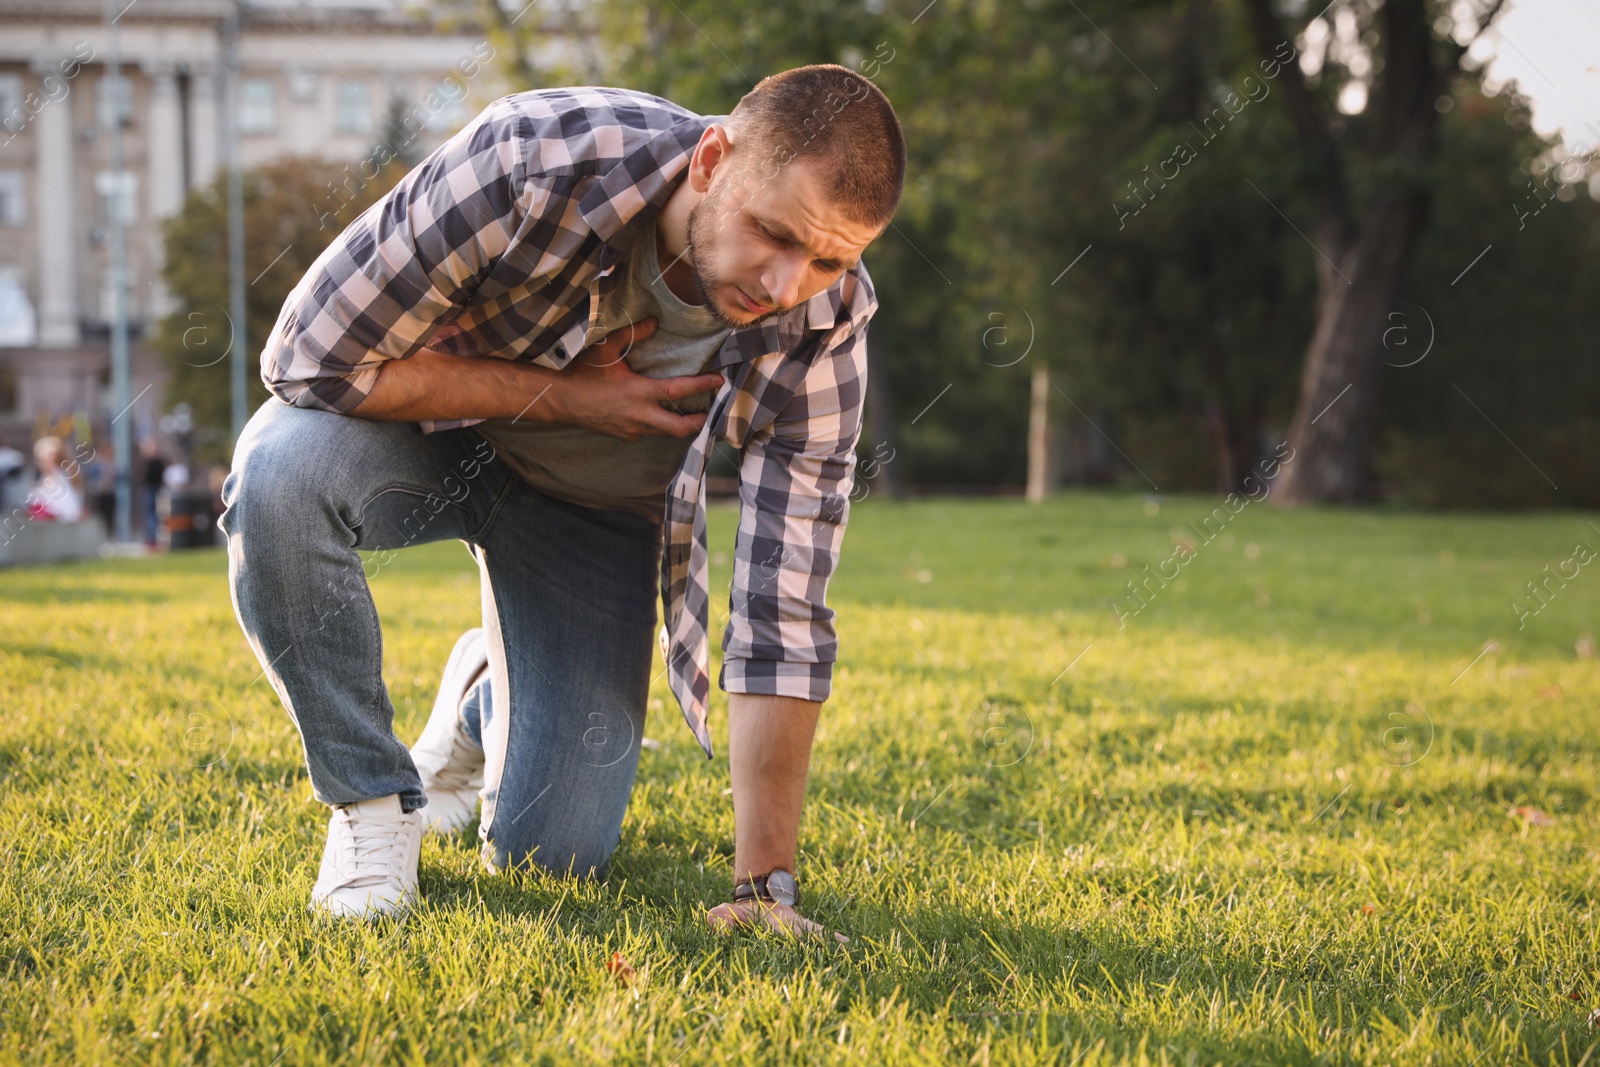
[[408, 264], [795, 482]]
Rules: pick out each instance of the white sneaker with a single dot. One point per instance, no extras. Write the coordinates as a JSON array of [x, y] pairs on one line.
[[369, 865], [449, 761]]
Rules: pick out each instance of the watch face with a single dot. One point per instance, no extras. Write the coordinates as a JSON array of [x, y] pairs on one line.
[[781, 885]]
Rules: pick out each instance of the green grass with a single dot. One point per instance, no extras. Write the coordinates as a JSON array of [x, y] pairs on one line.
[[1269, 820]]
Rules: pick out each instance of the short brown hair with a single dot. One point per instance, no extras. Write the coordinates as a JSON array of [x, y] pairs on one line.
[[836, 117]]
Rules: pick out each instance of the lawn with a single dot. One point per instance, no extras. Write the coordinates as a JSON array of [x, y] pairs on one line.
[[1323, 798]]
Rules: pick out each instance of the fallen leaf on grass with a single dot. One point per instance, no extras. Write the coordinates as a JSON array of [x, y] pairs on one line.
[[1533, 816], [620, 969], [1368, 909]]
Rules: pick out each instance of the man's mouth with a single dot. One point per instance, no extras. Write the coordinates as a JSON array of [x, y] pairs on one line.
[[750, 305]]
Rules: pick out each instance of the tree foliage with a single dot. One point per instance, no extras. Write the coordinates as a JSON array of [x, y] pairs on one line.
[[293, 209], [1124, 191]]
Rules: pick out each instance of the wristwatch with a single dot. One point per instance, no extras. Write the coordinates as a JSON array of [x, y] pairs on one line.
[[775, 887]]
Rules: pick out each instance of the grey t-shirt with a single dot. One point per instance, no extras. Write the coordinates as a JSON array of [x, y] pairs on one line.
[[591, 469]]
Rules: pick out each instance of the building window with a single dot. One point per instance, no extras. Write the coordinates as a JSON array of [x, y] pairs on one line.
[[114, 101], [13, 202], [12, 114], [354, 113], [119, 196], [19, 326], [447, 106], [258, 100]]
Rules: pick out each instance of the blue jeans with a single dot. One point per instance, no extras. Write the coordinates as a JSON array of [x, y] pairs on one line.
[[569, 604], [149, 498]]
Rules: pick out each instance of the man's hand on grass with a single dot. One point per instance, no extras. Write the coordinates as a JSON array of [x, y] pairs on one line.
[[725, 918], [769, 754]]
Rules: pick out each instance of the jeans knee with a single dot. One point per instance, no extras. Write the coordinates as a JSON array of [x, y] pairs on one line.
[[285, 471]]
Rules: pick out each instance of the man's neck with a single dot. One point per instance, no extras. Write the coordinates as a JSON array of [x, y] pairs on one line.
[[672, 242]]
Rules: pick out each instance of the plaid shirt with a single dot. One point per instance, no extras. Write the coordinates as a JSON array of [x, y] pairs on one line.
[[502, 244]]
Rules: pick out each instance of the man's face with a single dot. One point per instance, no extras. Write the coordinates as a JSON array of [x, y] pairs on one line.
[[758, 248]]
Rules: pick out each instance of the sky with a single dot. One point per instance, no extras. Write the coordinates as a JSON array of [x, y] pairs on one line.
[[1551, 48]]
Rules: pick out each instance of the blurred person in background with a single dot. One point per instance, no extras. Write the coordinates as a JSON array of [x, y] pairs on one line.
[[100, 479], [57, 495], [152, 477]]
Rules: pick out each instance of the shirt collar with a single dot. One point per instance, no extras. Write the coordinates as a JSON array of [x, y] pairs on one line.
[[644, 177]]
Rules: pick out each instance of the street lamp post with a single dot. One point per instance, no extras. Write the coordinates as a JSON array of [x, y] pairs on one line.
[[232, 25], [118, 199]]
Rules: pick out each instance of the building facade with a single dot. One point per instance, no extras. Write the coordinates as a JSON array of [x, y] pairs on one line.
[[317, 77]]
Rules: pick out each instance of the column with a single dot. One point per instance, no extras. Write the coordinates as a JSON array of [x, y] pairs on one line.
[[203, 118], [57, 227], [163, 169]]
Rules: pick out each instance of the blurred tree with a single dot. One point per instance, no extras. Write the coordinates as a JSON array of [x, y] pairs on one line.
[[397, 137], [1492, 380], [1115, 189], [1198, 291], [1373, 175], [293, 209]]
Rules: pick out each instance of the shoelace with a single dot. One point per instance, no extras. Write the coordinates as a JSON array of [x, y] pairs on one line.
[[372, 845]]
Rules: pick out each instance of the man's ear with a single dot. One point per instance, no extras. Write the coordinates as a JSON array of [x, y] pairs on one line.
[[712, 151]]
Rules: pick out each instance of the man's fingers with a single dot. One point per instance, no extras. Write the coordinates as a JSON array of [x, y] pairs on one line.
[[784, 920], [671, 424], [814, 929], [688, 385], [724, 917], [613, 348], [627, 335]]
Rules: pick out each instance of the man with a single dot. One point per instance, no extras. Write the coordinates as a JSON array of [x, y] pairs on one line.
[[531, 345], [152, 478]]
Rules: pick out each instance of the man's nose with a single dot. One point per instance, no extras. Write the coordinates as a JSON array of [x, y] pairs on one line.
[[783, 284]]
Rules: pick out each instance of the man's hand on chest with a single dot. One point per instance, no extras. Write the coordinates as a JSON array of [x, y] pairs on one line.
[[597, 390], [601, 393]]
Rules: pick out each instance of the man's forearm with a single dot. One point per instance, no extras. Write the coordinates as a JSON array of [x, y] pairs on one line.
[[432, 385], [769, 756]]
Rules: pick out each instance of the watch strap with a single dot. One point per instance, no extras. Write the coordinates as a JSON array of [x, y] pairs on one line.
[[775, 887]]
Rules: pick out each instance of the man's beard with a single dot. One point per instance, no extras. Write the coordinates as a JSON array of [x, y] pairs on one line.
[[703, 223]]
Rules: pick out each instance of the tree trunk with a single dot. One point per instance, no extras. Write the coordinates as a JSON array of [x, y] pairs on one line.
[[1331, 432], [1362, 255], [1234, 438], [1039, 434], [1361, 265], [1234, 427]]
